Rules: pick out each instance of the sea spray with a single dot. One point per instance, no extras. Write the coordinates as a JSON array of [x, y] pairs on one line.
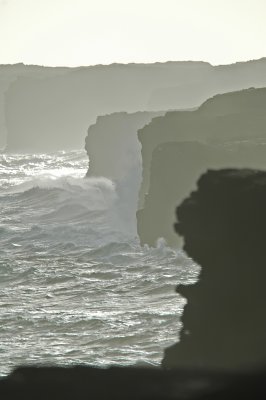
[[76, 286]]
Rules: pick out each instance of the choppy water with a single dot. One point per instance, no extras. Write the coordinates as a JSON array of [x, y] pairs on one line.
[[75, 285]]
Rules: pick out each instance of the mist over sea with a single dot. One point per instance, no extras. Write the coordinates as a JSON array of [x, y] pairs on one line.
[[75, 285]]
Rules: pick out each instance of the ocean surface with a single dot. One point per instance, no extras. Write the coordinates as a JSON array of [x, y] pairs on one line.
[[75, 284]]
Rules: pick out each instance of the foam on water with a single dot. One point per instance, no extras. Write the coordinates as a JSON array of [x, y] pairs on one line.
[[76, 286]]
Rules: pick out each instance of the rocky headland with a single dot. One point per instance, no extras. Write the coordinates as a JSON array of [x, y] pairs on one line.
[[227, 131]]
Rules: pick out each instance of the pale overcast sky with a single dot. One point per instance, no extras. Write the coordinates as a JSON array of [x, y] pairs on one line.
[[85, 32]]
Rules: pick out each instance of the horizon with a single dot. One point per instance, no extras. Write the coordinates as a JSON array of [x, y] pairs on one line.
[[136, 63]]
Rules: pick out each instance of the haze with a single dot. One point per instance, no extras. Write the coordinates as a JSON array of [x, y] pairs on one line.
[[82, 32]]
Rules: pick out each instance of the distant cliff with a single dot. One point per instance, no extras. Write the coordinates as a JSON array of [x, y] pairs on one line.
[[53, 113], [228, 130], [223, 224], [9, 74]]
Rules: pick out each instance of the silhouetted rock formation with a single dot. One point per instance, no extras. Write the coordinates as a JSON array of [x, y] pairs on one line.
[[9, 74], [55, 383], [223, 224], [228, 130], [54, 113], [112, 383]]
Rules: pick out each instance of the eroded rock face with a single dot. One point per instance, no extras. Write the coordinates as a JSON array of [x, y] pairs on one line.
[[227, 131], [223, 224]]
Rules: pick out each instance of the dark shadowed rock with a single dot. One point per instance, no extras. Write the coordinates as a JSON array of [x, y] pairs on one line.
[[112, 383], [223, 224], [56, 383]]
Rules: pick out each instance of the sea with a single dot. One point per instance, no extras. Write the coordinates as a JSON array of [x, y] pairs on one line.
[[76, 286]]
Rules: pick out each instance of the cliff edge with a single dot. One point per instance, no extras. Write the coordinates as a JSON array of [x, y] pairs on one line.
[[227, 131]]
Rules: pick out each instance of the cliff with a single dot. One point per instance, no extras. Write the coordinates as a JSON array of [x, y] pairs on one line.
[[223, 224], [9, 74], [53, 113], [114, 152], [112, 145], [226, 131]]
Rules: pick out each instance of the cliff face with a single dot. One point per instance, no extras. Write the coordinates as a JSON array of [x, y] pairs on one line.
[[112, 144], [223, 224], [226, 131], [114, 152], [8, 75], [53, 113]]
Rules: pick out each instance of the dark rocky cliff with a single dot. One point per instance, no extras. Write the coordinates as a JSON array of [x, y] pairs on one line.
[[228, 130], [223, 224]]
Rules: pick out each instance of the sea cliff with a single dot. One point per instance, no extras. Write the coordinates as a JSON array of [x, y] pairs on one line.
[[228, 130], [112, 144], [53, 113], [8, 75]]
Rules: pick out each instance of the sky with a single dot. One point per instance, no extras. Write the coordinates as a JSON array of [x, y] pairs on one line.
[[89, 32]]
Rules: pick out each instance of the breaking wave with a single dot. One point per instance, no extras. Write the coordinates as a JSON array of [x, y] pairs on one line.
[[76, 286]]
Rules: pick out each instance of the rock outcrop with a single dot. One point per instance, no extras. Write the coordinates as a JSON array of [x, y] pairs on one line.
[[54, 113], [228, 130], [223, 224]]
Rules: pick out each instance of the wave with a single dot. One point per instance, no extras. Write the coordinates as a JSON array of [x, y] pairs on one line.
[[74, 275]]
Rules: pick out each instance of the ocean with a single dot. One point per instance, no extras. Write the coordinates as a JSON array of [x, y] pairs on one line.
[[76, 287]]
